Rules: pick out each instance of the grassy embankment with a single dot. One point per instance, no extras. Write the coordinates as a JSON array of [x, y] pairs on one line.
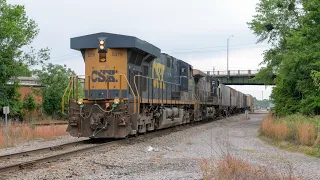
[[23, 132], [294, 133]]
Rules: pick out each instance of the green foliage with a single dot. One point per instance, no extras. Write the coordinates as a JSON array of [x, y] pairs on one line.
[[316, 78], [262, 103], [29, 103], [29, 106], [265, 75], [292, 27], [302, 118], [16, 33], [275, 19], [55, 78]]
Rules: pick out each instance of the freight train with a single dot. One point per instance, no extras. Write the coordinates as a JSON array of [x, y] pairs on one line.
[[130, 88]]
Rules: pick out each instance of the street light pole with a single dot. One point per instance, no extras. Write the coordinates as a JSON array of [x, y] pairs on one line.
[[228, 54]]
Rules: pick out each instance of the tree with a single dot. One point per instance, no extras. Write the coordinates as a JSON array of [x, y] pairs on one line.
[[55, 78], [274, 22], [316, 78], [16, 32], [292, 27], [29, 105]]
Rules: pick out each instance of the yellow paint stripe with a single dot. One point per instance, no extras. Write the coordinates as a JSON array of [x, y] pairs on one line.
[[164, 101]]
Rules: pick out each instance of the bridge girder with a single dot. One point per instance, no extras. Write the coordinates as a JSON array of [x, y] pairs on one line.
[[240, 80]]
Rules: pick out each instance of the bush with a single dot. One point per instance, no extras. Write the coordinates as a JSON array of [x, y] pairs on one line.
[[294, 128], [29, 106]]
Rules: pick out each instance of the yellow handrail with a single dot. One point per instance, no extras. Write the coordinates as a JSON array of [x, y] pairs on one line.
[[71, 89], [72, 81], [134, 96], [65, 91]]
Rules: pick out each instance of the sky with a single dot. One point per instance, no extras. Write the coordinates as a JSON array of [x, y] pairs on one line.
[[193, 31]]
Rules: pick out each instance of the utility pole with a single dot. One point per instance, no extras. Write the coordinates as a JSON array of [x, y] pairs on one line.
[[228, 54]]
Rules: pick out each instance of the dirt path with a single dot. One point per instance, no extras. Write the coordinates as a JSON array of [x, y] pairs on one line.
[[177, 155]]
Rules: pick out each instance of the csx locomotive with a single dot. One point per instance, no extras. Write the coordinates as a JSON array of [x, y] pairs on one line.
[[130, 88]]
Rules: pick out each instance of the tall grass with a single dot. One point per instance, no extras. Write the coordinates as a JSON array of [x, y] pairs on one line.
[[23, 132], [296, 128], [231, 167], [278, 130]]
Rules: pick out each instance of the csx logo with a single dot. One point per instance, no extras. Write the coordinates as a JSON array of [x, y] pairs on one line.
[[158, 73], [100, 76]]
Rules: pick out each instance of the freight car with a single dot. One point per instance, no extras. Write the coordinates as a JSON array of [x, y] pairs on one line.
[[130, 87]]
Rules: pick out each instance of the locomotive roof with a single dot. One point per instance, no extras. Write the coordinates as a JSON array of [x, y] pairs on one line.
[[198, 73], [114, 41]]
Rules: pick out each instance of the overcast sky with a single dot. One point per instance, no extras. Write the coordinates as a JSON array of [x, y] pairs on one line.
[[193, 31]]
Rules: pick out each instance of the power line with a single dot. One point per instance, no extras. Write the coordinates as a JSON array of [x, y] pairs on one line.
[[200, 50], [206, 51], [60, 58], [212, 47]]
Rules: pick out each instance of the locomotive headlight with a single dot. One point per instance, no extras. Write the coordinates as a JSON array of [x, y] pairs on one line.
[[80, 101], [102, 45], [116, 101]]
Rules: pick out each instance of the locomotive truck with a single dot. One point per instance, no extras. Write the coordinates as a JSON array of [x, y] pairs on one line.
[[130, 88]]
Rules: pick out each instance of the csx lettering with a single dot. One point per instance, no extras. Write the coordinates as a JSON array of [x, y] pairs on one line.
[[158, 73], [100, 76]]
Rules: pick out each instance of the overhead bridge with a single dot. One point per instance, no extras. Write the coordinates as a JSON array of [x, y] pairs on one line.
[[237, 77]]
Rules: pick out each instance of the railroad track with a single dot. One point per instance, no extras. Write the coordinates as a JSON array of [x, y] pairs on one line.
[[18, 159], [102, 143]]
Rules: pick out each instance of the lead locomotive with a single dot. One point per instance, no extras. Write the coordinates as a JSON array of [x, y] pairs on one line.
[[130, 87]]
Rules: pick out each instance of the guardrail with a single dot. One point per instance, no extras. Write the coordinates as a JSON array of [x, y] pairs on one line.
[[72, 90], [233, 73]]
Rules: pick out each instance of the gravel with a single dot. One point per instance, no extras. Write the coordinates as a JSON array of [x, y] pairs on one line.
[[40, 143], [177, 155], [38, 155]]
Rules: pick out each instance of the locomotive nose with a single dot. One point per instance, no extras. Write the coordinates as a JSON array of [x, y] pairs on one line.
[[100, 119]]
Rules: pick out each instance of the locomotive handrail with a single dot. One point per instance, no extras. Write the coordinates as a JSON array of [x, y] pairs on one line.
[[65, 91], [135, 84], [209, 92], [134, 96], [71, 83]]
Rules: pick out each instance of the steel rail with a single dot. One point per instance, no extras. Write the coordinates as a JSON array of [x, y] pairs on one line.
[[42, 150], [28, 164]]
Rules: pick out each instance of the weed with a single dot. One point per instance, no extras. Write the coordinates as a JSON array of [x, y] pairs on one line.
[[23, 132], [305, 133], [231, 167], [301, 131]]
